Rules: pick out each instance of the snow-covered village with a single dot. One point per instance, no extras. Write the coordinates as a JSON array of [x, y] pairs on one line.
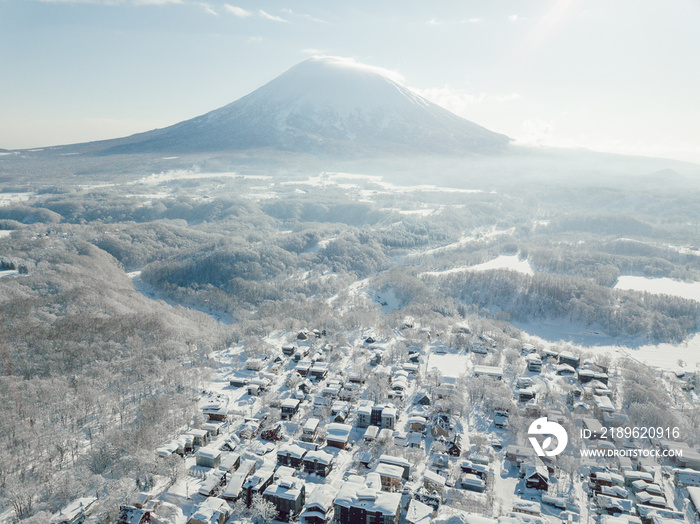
[[419, 427]]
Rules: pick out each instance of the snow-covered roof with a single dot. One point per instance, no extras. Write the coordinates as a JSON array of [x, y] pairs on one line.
[[290, 403], [433, 477], [389, 470], [418, 513], [488, 370], [336, 432], [396, 461], [694, 494], [292, 450], [322, 497], [352, 494], [209, 452], [311, 424], [289, 488], [320, 456]]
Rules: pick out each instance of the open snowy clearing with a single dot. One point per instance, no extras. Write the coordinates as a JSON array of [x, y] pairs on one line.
[[660, 286], [6, 232], [449, 364], [9, 198], [509, 262]]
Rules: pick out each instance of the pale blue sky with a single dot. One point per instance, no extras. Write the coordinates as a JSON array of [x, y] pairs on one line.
[[611, 75]]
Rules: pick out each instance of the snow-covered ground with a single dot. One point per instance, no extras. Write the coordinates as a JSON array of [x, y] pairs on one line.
[[5, 233], [660, 286], [509, 262], [11, 198], [449, 364]]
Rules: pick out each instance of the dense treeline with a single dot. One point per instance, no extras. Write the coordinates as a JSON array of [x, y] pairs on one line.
[[525, 297], [92, 376]]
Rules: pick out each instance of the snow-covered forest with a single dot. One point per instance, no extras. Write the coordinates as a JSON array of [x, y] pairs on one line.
[[113, 297]]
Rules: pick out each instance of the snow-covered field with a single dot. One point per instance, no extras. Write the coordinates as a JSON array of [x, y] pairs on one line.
[[509, 262], [5, 233], [660, 286], [449, 364], [10, 198]]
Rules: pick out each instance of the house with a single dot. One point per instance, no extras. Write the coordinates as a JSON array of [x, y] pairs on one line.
[[602, 405], [215, 413], [527, 507], [288, 408], [358, 503], [258, 482], [536, 477], [254, 364], [237, 382], [442, 425], [318, 371], [303, 367], [310, 430], [534, 363], [388, 417], [494, 372], [212, 511], [288, 496], [356, 377], [212, 483], [500, 418], [75, 512], [235, 484], [208, 457], [433, 481], [229, 462], [291, 455], [337, 435], [300, 353], [472, 482], [200, 437], [133, 515], [364, 415], [274, 433], [418, 424], [401, 462], [422, 399], [686, 477], [565, 370], [568, 358], [288, 350], [371, 433], [418, 513], [319, 505], [389, 475], [318, 462], [518, 454], [526, 395]]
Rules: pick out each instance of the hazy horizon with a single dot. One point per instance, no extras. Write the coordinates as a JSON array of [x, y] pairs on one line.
[[612, 78]]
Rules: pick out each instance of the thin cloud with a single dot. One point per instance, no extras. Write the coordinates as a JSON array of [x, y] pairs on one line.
[[459, 101], [274, 18], [237, 11], [254, 39], [513, 18], [207, 8], [313, 51], [304, 16]]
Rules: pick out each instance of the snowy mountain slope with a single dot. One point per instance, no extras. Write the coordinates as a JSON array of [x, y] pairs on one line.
[[325, 105]]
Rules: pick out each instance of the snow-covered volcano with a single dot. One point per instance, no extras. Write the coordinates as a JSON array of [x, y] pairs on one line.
[[326, 105]]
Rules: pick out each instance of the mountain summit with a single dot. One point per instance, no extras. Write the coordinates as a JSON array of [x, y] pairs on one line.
[[323, 105]]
